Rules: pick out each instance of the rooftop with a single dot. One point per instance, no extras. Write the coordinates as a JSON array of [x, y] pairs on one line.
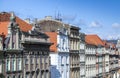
[[93, 39], [5, 21]]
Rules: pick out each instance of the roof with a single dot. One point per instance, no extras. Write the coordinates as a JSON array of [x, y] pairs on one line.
[[74, 27], [48, 25], [5, 20], [4, 28], [53, 39], [93, 40], [109, 44], [23, 25]]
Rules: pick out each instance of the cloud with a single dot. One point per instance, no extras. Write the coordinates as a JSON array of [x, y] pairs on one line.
[[116, 25], [95, 24]]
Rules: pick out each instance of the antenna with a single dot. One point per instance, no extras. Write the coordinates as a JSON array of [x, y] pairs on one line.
[[58, 16]]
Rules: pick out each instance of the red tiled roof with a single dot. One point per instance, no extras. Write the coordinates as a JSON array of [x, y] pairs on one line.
[[93, 40], [23, 25], [4, 28], [5, 20], [53, 39]]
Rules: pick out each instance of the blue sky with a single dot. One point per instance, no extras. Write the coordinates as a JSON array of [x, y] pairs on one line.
[[100, 17]]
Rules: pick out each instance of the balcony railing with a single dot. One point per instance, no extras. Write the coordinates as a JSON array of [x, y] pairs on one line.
[[34, 39], [90, 52]]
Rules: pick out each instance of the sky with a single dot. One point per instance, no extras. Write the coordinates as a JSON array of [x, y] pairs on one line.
[[101, 17]]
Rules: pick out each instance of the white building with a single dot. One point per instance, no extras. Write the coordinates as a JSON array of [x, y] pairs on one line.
[[90, 61], [106, 66], [82, 55], [94, 59], [60, 54], [99, 60]]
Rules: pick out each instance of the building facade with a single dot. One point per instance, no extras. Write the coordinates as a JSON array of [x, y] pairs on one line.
[[26, 50], [74, 40], [114, 61], [12, 61], [100, 60], [118, 47], [90, 61], [82, 55], [58, 33], [106, 61], [36, 54], [94, 49]]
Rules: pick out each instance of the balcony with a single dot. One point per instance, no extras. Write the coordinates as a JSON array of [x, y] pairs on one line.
[[92, 52], [36, 40]]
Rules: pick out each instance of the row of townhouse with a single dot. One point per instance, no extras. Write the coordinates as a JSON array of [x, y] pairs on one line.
[[76, 55], [102, 58], [50, 48]]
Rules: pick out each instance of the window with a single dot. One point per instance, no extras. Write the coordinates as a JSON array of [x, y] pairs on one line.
[[67, 60], [7, 65], [62, 60], [26, 60], [19, 63], [31, 59], [13, 64], [27, 76], [67, 68], [37, 60]]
